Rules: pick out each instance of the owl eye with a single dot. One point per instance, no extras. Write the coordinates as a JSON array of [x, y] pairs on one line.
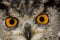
[[11, 22], [42, 19]]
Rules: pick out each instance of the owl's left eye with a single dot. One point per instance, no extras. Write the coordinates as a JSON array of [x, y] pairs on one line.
[[11, 22], [42, 18]]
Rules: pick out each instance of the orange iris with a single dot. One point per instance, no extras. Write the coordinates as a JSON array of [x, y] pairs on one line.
[[42, 19], [11, 22]]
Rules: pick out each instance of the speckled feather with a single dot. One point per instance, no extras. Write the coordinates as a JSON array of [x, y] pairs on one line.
[[26, 11]]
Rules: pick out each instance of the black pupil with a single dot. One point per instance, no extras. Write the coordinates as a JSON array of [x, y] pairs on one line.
[[42, 19], [11, 21]]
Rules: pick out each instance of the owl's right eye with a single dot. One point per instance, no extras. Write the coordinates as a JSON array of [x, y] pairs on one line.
[[11, 22]]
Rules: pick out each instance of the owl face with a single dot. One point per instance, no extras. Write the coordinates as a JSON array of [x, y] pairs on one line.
[[29, 20]]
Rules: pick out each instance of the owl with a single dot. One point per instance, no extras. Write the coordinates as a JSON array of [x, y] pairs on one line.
[[29, 19]]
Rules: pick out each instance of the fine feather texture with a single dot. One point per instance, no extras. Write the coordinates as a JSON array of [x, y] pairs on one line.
[[26, 12]]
